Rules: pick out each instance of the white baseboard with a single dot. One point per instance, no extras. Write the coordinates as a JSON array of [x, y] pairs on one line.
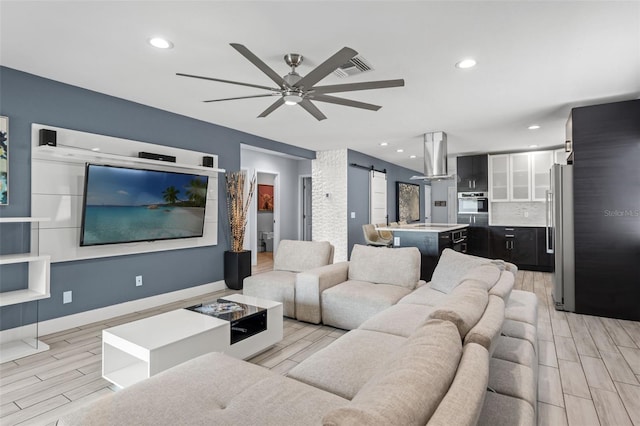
[[101, 314]]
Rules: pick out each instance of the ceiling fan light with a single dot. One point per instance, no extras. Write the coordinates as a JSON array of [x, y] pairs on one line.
[[292, 98]]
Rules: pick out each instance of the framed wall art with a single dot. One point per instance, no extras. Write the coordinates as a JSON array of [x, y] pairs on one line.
[[265, 198], [4, 160], [407, 202]]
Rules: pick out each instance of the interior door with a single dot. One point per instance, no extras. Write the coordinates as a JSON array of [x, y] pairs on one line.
[[306, 209], [377, 197]]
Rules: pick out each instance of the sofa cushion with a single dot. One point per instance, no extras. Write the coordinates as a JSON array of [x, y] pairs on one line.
[[522, 306], [504, 286], [464, 306], [452, 267], [298, 256], [343, 367], [488, 274], [463, 403], [424, 295], [487, 331], [401, 319], [516, 350], [214, 388], [409, 389], [506, 410], [521, 330], [278, 286], [349, 304], [513, 379], [381, 265]]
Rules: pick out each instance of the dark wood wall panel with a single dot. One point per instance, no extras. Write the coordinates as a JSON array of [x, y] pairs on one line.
[[606, 144]]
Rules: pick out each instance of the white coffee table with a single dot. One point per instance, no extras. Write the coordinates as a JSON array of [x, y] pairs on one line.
[[137, 350]]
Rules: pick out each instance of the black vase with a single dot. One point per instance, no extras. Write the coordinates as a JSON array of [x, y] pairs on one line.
[[237, 266]]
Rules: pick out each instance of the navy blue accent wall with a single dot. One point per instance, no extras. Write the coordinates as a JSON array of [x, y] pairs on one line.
[[358, 192], [27, 99]]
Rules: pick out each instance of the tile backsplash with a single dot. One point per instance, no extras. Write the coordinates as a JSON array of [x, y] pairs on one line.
[[517, 214]]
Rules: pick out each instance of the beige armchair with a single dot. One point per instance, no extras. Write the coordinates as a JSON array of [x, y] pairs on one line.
[[372, 238], [291, 258]]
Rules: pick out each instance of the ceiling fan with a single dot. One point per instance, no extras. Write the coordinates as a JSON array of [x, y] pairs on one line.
[[301, 90]]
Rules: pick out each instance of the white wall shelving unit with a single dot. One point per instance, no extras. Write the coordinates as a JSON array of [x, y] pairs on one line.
[[24, 340], [57, 187]]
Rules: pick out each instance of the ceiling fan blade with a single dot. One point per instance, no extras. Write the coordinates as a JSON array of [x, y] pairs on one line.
[[228, 81], [261, 65], [345, 102], [242, 97], [365, 85], [312, 109], [327, 67], [274, 106]]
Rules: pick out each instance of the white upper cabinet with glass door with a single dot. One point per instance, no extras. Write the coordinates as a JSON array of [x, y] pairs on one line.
[[541, 162], [520, 172], [499, 177]]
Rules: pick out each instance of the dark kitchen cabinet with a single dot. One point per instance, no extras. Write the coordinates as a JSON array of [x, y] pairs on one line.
[[473, 173], [477, 233], [516, 245]]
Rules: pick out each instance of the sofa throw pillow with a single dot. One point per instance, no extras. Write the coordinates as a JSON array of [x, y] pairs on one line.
[[415, 380], [452, 267], [298, 256], [381, 265]]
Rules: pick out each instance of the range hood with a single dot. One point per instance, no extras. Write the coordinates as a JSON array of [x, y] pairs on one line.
[[435, 157]]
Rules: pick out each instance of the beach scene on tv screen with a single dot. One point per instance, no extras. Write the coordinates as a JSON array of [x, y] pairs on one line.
[[136, 205]]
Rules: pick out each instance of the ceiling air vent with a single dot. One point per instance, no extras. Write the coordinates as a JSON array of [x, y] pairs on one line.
[[356, 65]]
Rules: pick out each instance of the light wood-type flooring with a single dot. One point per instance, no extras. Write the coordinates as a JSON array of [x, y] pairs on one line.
[[589, 366]]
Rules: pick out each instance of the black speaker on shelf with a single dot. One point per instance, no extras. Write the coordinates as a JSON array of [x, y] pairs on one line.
[[158, 157], [48, 137], [207, 161]]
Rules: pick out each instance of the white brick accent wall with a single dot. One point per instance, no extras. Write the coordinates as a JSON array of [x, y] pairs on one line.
[[329, 206]]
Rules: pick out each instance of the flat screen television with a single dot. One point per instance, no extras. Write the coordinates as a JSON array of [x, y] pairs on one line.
[[123, 205]]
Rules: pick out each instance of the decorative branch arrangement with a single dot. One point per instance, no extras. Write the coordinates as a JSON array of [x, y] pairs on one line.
[[237, 207]]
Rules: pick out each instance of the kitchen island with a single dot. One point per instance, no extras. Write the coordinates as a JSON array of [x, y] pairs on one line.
[[431, 239]]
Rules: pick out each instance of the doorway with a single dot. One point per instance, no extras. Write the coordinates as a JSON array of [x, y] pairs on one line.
[[266, 219]]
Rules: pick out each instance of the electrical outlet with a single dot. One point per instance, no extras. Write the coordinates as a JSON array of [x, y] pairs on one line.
[[67, 297], [526, 214], [353, 215], [138, 280], [396, 241]]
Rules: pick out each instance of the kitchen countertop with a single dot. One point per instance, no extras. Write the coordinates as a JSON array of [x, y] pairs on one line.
[[424, 227]]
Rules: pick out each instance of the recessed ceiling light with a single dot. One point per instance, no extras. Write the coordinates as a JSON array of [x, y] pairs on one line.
[[534, 127], [412, 156], [533, 146], [160, 43], [383, 144], [399, 150], [95, 149], [466, 63]]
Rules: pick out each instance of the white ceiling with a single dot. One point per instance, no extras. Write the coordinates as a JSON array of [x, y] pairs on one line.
[[536, 60]]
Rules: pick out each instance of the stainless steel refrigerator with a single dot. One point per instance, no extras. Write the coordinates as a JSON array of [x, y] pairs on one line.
[[560, 236]]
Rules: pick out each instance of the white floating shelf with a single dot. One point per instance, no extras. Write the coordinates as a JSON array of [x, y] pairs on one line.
[[79, 154], [23, 219], [22, 258], [21, 296], [21, 348]]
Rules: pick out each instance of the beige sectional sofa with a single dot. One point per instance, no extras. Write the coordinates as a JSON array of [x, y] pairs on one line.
[[463, 356]]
